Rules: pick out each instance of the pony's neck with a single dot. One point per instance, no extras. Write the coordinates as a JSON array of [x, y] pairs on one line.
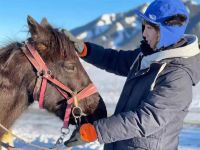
[[16, 82]]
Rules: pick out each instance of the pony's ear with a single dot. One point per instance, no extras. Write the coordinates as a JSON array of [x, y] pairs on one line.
[[36, 31], [33, 26], [45, 23]]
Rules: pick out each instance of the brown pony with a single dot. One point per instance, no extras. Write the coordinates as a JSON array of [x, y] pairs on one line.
[[18, 76]]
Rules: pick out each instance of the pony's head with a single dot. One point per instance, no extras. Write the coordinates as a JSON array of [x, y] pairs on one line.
[[58, 52]]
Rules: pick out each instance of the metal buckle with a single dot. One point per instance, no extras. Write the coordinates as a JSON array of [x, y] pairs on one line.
[[77, 112], [64, 132]]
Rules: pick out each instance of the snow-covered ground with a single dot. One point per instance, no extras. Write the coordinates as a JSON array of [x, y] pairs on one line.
[[43, 128]]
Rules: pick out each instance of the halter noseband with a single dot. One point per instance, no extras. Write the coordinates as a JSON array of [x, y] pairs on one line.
[[44, 76]]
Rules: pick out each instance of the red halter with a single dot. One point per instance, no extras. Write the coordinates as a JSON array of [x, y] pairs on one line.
[[44, 75]]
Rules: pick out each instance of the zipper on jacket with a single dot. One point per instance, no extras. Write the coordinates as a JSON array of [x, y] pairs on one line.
[[141, 72], [159, 71]]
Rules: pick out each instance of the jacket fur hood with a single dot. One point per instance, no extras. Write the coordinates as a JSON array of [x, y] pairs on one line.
[[187, 57]]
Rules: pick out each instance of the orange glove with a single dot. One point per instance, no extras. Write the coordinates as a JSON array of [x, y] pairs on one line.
[[88, 132], [82, 135]]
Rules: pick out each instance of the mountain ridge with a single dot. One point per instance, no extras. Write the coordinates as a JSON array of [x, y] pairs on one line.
[[123, 30]]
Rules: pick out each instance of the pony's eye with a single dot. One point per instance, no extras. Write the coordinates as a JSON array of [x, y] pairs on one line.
[[70, 67], [41, 47]]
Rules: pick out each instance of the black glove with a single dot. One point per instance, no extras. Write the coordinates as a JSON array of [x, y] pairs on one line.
[[75, 139], [145, 48], [79, 44]]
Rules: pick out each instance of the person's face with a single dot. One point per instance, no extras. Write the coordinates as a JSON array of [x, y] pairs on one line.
[[151, 35]]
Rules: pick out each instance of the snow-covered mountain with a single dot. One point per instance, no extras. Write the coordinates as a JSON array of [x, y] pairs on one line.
[[123, 30], [112, 30]]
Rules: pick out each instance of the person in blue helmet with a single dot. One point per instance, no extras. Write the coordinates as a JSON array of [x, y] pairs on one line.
[[158, 91]]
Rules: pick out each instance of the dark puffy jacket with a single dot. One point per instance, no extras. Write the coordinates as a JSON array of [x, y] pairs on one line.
[[155, 98]]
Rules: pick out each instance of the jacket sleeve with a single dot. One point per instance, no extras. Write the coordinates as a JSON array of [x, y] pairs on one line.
[[171, 95], [117, 62]]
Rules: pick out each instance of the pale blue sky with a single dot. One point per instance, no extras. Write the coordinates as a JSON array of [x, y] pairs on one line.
[[61, 13]]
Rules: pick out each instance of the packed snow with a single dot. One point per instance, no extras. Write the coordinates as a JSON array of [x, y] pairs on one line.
[[145, 7], [130, 20], [85, 35], [82, 35], [119, 26], [106, 19]]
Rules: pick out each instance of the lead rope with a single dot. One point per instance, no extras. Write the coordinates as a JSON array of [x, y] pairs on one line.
[[28, 143], [65, 130], [6, 145]]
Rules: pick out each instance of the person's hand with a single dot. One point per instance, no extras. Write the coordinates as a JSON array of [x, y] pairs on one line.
[[145, 48], [82, 135], [75, 139], [79, 44]]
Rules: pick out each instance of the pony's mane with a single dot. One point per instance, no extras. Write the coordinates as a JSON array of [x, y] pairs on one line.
[[8, 52], [61, 48]]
